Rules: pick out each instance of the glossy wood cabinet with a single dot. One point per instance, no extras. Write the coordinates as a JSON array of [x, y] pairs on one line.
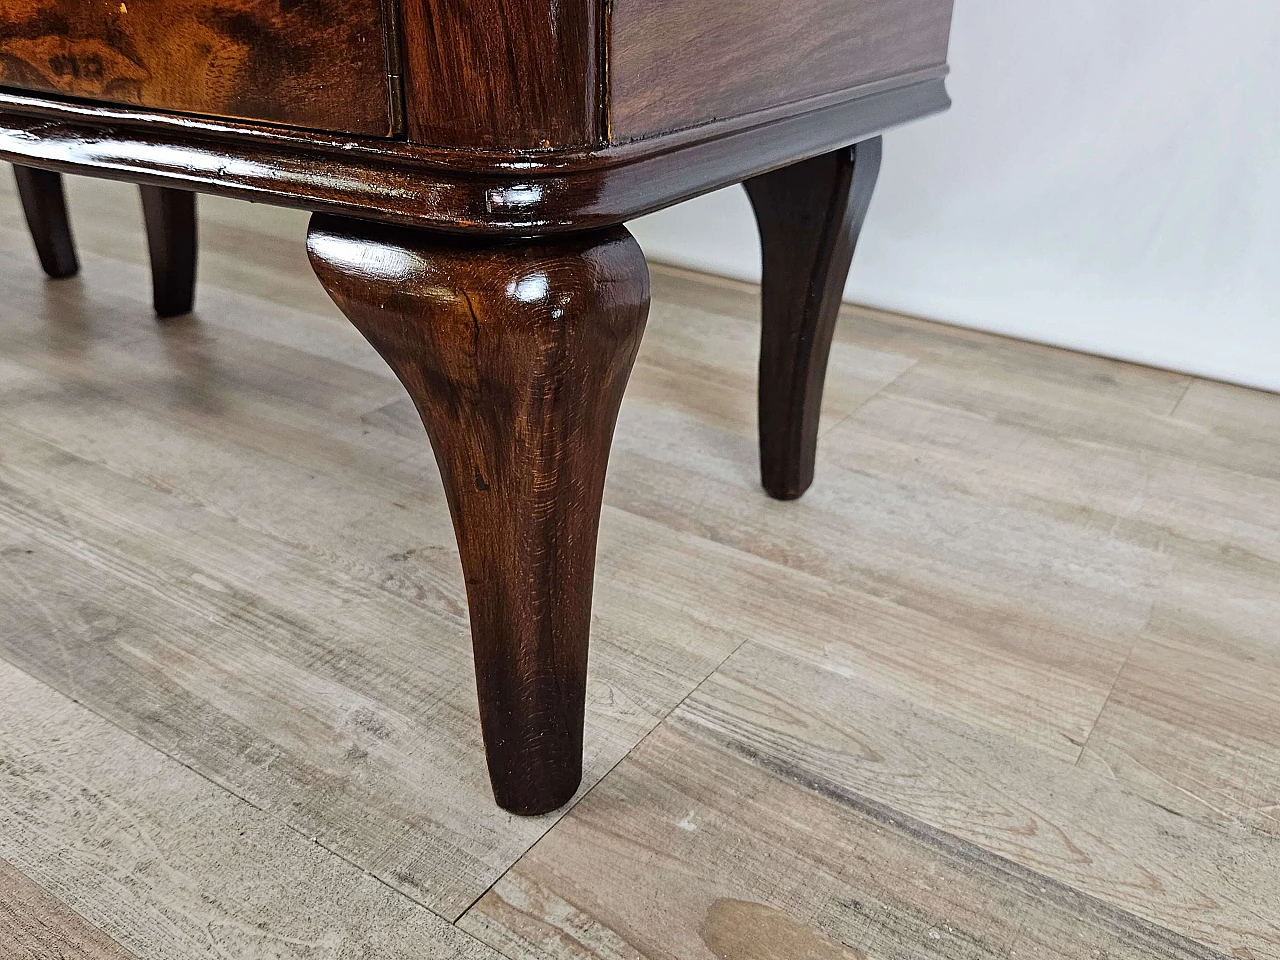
[[490, 74], [471, 164]]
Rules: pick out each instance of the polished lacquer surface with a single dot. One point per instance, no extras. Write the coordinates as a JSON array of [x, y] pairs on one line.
[[516, 357], [678, 63], [503, 74], [308, 63], [45, 205], [809, 215], [450, 190]]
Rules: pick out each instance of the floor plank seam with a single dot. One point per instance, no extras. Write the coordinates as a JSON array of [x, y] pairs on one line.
[[227, 790], [586, 793], [292, 548], [563, 815], [1115, 681], [1172, 414], [828, 431], [1137, 641]]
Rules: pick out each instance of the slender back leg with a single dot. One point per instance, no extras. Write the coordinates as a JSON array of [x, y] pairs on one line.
[[171, 240], [45, 207], [809, 215]]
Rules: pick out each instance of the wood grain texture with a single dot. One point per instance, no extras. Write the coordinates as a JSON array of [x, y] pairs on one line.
[[1092, 833], [171, 866], [36, 926], [897, 546], [45, 208], [516, 194], [516, 358], [702, 845], [809, 215], [503, 74], [706, 359], [315, 63], [678, 63], [170, 217], [1194, 719]]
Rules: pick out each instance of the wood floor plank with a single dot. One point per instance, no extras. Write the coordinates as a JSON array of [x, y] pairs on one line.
[[1055, 605], [1061, 478], [1106, 419], [347, 708], [180, 359], [741, 862], [1028, 382], [1239, 416], [891, 536], [1020, 670], [397, 535], [706, 364], [882, 826], [1203, 508], [1194, 720], [220, 421], [172, 867], [36, 926]]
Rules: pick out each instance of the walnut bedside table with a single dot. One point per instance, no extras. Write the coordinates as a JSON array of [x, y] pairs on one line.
[[470, 164]]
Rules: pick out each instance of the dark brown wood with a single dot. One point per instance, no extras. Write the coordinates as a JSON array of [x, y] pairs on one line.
[[516, 356], [171, 241], [809, 215], [503, 74], [45, 207], [309, 63], [678, 63], [442, 189]]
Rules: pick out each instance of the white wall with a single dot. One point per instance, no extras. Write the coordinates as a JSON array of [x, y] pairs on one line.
[[1108, 180]]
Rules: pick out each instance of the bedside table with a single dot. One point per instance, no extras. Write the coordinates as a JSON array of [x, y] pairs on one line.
[[470, 164]]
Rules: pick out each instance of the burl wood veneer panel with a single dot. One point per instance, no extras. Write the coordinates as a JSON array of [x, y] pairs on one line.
[[502, 74], [677, 63], [310, 63]]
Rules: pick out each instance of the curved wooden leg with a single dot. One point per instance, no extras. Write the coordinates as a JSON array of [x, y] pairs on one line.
[[809, 215], [171, 240], [45, 207], [516, 355]]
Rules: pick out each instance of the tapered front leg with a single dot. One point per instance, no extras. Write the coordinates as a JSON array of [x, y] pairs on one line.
[[170, 217], [516, 355], [809, 215], [45, 207]]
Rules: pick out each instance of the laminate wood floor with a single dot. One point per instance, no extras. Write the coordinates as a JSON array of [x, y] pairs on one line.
[[1005, 683]]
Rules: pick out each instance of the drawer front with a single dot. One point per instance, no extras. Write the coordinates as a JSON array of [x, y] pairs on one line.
[[320, 64]]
